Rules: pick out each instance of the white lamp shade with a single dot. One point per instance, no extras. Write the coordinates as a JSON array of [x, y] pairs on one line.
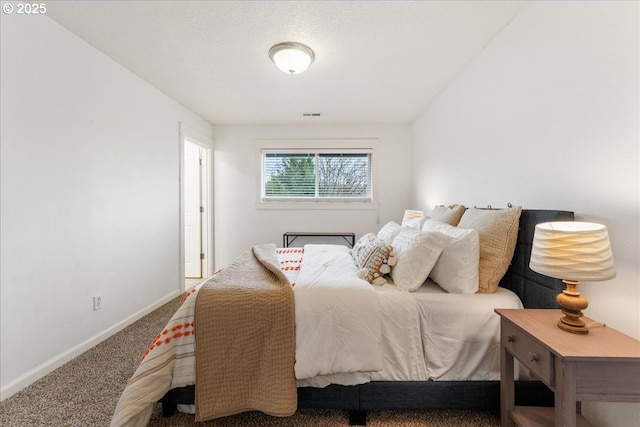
[[410, 214], [291, 58], [572, 251]]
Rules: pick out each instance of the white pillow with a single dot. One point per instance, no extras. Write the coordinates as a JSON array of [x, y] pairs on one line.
[[388, 232], [416, 254], [456, 271], [415, 223], [449, 214]]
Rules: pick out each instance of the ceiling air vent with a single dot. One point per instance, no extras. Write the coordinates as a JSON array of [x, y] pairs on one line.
[[311, 114]]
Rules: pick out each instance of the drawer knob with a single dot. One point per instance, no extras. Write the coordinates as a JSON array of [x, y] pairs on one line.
[[511, 338], [533, 357]]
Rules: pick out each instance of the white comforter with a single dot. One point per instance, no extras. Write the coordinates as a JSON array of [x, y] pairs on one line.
[[349, 332], [337, 315]]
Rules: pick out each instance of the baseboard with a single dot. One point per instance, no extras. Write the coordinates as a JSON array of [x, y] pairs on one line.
[[54, 363]]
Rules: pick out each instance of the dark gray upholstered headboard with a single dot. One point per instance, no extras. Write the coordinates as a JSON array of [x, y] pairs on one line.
[[534, 290]]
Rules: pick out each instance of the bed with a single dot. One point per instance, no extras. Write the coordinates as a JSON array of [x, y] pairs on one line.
[[461, 382]]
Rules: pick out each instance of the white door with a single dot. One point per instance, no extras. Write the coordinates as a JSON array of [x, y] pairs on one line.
[[192, 211]]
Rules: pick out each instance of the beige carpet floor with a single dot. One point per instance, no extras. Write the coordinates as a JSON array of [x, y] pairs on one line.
[[84, 393]]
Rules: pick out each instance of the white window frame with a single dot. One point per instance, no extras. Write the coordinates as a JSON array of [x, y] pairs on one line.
[[313, 146]]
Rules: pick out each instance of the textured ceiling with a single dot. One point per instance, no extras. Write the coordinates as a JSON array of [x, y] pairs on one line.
[[376, 61]]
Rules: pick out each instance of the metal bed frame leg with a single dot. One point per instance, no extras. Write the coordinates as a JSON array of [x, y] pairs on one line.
[[357, 418], [168, 408]]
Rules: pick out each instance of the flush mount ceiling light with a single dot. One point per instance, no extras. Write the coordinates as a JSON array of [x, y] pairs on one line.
[[291, 57]]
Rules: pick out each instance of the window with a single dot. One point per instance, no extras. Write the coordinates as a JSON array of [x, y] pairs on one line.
[[326, 175]]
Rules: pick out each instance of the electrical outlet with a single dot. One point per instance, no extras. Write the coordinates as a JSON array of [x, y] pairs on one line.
[[97, 302]]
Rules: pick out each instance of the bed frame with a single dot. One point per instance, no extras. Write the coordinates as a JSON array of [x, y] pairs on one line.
[[534, 290]]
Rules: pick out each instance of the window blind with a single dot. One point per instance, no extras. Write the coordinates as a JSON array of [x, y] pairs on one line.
[[316, 175]]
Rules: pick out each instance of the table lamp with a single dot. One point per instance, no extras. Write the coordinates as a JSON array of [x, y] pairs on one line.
[[572, 251]]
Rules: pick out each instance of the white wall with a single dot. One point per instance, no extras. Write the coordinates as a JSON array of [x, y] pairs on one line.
[[90, 197], [239, 224], [547, 117]]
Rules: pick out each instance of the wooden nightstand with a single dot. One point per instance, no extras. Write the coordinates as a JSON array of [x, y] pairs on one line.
[[603, 365]]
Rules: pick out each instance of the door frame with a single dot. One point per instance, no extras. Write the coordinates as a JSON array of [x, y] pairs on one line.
[[206, 143]]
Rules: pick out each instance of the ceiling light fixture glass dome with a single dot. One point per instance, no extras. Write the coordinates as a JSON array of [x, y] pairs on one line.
[[291, 57]]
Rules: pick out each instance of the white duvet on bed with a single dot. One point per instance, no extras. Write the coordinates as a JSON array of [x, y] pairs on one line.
[[337, 315], [401, 344], [461, 332], [357, 332]]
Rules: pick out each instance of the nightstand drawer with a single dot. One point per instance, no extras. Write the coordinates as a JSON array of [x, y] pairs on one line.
[[529, 352]]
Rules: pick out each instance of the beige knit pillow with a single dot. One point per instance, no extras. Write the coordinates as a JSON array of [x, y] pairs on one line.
[[448, 214], [498, 230]]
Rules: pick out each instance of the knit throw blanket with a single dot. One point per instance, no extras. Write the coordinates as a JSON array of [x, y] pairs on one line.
[[245, 339]]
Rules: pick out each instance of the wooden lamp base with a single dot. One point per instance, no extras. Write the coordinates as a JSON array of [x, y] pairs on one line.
[[572, 304]]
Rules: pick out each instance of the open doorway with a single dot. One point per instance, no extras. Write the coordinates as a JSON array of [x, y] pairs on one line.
[[196, 219]]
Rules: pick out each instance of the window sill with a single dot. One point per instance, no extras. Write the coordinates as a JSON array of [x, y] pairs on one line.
[[316, 205]]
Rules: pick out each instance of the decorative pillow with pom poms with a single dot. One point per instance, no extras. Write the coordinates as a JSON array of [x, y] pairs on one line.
[[372, 255]]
